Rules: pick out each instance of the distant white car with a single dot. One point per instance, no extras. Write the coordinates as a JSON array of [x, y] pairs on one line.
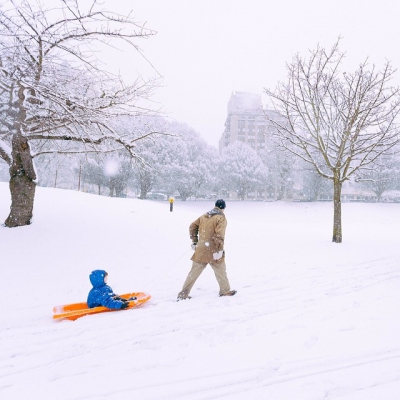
[[156, 196]]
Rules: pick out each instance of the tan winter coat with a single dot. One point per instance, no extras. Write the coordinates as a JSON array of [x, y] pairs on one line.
[[208, 232]]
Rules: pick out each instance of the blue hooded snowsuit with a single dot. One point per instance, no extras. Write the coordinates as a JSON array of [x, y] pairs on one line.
[[101, 294]]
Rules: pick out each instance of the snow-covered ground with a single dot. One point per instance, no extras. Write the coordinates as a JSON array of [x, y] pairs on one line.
[[311, 320]]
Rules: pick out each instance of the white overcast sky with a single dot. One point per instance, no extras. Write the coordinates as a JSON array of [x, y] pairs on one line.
[[206, 49]]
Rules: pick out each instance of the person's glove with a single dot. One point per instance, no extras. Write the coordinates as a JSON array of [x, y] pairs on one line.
[[120, 299], [194, 245], [124, 305], [218, 255]]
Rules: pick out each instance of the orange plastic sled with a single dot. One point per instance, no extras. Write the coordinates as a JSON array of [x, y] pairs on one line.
[[77, 310]]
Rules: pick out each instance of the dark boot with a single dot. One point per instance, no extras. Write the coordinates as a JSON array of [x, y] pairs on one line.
[[230, 293]]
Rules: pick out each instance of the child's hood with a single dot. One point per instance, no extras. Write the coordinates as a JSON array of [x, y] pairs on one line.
[[97, 277]]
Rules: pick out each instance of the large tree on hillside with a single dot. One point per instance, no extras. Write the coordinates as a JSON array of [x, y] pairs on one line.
[[54, 95], [337, 122]]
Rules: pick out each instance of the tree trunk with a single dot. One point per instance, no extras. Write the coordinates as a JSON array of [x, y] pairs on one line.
[[55, 179], [337, 211], [22, 185], [111, 186], [79, 177], [143, 192]]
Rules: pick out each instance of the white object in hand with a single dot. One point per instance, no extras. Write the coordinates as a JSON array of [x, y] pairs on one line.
[[194, 246], [218, 255]]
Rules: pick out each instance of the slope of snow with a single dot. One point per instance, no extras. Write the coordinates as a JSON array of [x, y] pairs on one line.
[[311, 320]]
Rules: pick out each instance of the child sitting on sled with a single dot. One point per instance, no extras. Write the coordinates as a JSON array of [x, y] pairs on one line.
[[102, 295]]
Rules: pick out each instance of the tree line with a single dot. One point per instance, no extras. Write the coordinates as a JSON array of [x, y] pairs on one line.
[[60, 106], [178, 162]]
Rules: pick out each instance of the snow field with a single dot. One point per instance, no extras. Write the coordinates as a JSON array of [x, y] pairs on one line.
[[311, 320]]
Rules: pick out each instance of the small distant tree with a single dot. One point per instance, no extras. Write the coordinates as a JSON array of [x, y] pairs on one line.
[[146, 175], [111, 171], [280, 167], [381, 176], [148, 169], [92, 172], [187, 165], [117, 179], [337, 122], [314, 185], [240, 169]]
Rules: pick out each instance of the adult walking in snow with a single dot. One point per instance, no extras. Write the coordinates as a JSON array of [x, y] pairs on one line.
[[208, 235]]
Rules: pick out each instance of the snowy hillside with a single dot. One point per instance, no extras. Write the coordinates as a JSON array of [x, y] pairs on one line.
[[311, 320]]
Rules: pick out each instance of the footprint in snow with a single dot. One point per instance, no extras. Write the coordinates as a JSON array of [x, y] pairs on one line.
[[269, 370], [311, 342]]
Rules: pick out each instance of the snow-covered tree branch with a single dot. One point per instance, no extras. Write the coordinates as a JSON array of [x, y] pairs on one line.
[[53, 90]]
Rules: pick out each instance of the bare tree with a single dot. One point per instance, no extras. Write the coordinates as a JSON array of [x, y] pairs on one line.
[[337, 122], [54, 94]]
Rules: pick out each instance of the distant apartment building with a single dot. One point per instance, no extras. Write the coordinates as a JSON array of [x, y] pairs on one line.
[[247, 121]]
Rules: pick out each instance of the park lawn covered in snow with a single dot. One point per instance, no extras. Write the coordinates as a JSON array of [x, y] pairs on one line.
[[311, 319]]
